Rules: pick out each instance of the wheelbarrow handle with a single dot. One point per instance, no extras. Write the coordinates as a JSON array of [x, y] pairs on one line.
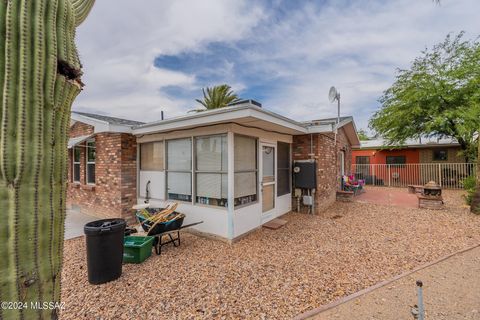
[[190, 225]]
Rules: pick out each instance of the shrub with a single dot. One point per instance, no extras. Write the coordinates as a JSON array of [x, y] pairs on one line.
[[469, 184]]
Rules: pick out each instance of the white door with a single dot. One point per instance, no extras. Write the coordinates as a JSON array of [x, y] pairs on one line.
[[268, 177], [342, 163]]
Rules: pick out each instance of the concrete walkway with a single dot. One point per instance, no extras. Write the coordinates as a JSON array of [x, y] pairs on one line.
[[74, 223], [398, 197], [451, 291]]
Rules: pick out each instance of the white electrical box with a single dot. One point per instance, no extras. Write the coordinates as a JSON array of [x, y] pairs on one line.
[[298, 193], [308, 200]]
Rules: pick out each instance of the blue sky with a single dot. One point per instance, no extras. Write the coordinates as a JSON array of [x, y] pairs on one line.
[[141, 59]]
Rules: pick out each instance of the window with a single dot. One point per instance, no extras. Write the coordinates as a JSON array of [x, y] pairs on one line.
[[76, 164], [362, 168], [396, 160], [283, 168], [151, 156], [440, 155], [90, 162], [179, 169], [362, 160], [246, 168], [211, 170]]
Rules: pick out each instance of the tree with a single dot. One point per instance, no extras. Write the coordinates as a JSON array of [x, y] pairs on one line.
[[362, 135], [217, 97], [438, 96], [40, 77]]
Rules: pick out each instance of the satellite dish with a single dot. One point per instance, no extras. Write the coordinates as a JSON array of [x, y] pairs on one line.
[[332, 94]]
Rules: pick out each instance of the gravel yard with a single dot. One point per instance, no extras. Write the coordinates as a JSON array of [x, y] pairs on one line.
[[272, 274]]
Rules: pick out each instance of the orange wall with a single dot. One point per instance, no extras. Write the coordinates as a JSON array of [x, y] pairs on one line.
[[405, 174], [380, 156]]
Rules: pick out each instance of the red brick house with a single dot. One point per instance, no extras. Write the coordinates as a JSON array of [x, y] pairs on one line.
[[102, 159], [230, 167]]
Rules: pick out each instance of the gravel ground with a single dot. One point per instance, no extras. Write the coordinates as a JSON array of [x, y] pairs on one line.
[[272, 274], [451, 291]]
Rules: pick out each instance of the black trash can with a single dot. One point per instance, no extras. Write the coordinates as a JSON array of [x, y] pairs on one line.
[[104, 249]]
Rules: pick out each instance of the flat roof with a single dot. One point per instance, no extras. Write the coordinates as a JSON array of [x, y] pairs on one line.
[[249, 115], [246, 114]]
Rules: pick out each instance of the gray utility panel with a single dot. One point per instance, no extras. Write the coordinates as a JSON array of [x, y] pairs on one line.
[[304, 175]]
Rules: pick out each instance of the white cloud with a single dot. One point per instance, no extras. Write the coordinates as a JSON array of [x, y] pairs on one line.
[[120, 40], [354, 45]]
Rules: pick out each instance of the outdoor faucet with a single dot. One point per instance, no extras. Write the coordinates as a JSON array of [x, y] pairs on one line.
[[147, 192]]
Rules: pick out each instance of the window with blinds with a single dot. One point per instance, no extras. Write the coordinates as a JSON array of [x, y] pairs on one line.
[[246, 169], [283, 169], [211, 170], [179, 169], [151, 156], [91, 155], [76, 164]]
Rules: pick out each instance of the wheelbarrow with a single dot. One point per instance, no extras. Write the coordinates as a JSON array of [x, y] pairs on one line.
[[170, 228]]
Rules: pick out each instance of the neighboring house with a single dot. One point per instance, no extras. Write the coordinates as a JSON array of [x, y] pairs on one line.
[[412, 151], [102, 167], [415, 161], [232, 167]]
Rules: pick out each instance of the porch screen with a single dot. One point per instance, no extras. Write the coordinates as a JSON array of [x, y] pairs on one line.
[[179, 169], [245, 169], [151, 156], [283, 168], [211, 170]]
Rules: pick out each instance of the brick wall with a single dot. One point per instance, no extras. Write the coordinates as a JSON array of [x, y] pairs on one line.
[[80, 129], [115, 175], [129, 175], [326, 154]]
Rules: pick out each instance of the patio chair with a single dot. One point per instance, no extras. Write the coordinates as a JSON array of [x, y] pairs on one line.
[[350, 184]]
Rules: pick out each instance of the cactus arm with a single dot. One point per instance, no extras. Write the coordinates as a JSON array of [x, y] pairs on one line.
[[8, 287], [8, 152], [36, 37], [82, 9], [38, 143]]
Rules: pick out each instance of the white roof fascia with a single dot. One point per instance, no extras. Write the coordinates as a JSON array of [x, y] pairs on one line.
[[120, 128], [320, 129], [277, 119], [72, 142], [222, 115]]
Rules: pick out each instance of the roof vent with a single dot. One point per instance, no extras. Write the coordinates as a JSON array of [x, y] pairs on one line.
[[246, 101]]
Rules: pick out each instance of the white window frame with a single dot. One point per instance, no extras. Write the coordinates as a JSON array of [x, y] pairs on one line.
[[167, 170], [257, 163], [141, 145], [196, 171], [75, 163], [90, 162], [289, 168]]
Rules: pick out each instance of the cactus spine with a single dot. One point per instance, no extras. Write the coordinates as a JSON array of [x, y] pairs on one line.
[[39, 79]]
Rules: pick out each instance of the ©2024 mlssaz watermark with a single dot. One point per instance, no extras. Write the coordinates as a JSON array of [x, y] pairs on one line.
[[36, 305]]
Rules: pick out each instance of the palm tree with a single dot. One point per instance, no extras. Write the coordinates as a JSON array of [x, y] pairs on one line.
[[217, 97]]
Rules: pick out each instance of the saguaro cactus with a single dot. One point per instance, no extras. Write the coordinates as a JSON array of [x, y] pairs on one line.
[[39, 79]]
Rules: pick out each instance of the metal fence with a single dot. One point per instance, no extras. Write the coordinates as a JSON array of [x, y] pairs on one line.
[[448, 175]]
